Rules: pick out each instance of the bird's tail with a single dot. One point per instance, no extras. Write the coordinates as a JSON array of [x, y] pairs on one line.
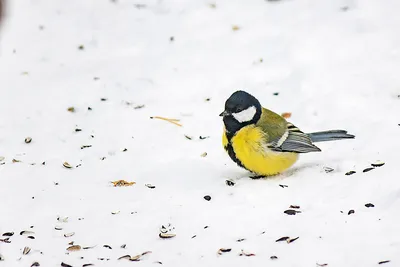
[[330, 135]]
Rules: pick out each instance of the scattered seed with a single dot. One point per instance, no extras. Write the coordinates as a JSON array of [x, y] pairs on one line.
[[78, 130], [204, 154], [89, 108], [88, 247], [273, 257], [62, 219], [35, 264], [171, 38], [369, 205], [5, 240], [194, 236], [230, 182], [139, 107], [115, 212], [150, 186], [122, 183], [224, 250], [378, 164], [328, 169], [15, 160], [31, 237], [241, 240], [166, 235], [159, 262], [322, 264], [128, 257], [235, 28], [246, 254], [87, 264], [124, 150], [188, 137], [283, 185], [205, 227], [203, 137], [86, 146], [208, 99], [292, 212], [107, 246], [71, 243], [350, 173], [8, 234], [65, 264], [28, 140], [276, 93], [67, 165], [81, 47], [207, 197], [26, 250], [294, 207], [58, 228], [71, 109], [26, 233], [74, 248], [103, 99], [350, 212], [282, 239], [69, 234], [292, 240], [2, 158], [382, 262], [123, 246], [134, 258], [368, 169]]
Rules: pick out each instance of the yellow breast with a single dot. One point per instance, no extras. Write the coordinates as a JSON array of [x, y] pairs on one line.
[[251, 150]]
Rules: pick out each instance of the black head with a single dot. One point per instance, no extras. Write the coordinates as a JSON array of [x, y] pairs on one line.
[[241, 109]]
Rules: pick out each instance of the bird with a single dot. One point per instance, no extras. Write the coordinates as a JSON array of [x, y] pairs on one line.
[[262, 141]]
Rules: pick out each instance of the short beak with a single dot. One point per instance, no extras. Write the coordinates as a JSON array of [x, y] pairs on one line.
[[224, 113]]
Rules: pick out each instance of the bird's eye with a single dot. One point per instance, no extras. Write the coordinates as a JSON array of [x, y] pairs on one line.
[[238, 110]]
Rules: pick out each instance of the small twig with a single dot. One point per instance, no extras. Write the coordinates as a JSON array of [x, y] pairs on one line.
[[174, 121]]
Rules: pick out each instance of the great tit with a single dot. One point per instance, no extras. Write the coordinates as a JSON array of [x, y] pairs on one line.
[[262, 141]]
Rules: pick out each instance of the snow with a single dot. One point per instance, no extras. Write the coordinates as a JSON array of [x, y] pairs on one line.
[[334, 64]]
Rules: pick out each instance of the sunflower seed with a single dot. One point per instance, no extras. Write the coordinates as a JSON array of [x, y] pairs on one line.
[[58, 228], [150, 186], [128, 257], [74, 248], [241, 240], [204, 154], [322, 264], [69, 234], [207, 197], [350, 173], [71, 109], [246, 254], [224, 250], [87, 264], [273, 257], [166, 235], [378, 164], [107, 246], [35, 264], [28, 140], [230, 183], [27, 233], [31, 237], [294, 207], [8, 234], [368, 169], [65, 264], [292, 212], [67, 165], [26, 250], [282, 239], [5, 240], [123, 246], [369, 205], [62, 219], [188, 137], [115, 212], [382, 262], [328, 169], [350, 212], [292, 240]]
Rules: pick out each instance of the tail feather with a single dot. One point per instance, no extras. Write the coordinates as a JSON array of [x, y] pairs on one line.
[[330, 135]]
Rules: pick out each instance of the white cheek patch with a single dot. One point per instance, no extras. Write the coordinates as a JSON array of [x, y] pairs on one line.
[[245, 115]]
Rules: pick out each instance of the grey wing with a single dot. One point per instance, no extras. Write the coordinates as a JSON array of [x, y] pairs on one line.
[[293, 140]]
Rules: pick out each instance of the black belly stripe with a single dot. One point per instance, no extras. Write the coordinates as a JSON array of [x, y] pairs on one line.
[[232, 154]]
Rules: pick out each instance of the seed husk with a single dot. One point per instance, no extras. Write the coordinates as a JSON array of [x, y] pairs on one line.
[[35, 264], [207, 197], [294, 207], [150, 186], [69, 234], [65, 264], [378, 164], [224, 250], [87, 264], [204, 154], [123, 246], [62, 219], [368, 169], [350, 173], [67, 165], [166, 235], [5, 240], [85, 146], [350, 212], [292, 240], [28, 140], [283, 185], [292, 212], [188, 137], [26, 250], [74, 248], [26, 233], [8, 234], [284, 238], [31, 237], [15, 160], [246, 254], [273, 257], [115, 212], [128, 257], [322, 264], [88, 247], [382, 262], [240, 240], [107, 246], [230, 183], [71, 109], [328, 169], [58, 228], [369, 205]]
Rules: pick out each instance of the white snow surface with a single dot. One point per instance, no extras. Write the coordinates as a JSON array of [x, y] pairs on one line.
[[335, 65]]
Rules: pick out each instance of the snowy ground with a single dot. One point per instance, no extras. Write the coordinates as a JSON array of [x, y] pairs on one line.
[[334, 64]]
